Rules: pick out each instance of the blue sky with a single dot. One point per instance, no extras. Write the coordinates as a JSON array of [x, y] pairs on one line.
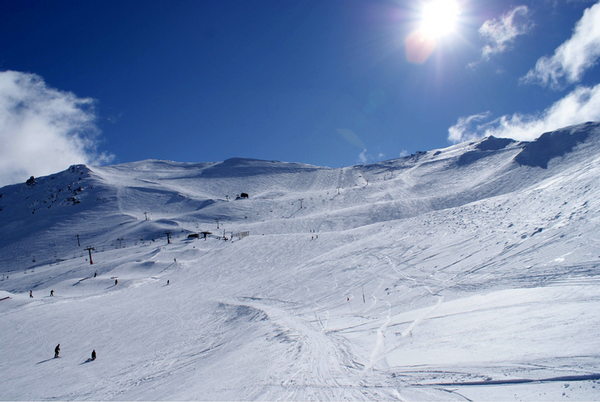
[[328, 83]]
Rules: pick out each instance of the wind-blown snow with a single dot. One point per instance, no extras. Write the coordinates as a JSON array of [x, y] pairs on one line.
[[466, 273]]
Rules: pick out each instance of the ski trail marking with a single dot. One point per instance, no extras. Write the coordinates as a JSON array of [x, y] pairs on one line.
[[374, 298], [399, 271], [380, 344], [416, 322], [397, 395], [317, 353]]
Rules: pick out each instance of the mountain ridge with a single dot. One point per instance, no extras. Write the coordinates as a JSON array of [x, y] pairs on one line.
[[202, 189]]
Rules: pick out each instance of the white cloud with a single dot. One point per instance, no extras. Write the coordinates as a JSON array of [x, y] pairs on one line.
[[573, 57], [462, 130], [363, 157], [500, 34], [43, 130], [579, 106]]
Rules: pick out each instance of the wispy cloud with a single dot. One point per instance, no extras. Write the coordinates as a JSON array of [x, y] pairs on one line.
[[362, 157], [365, 157], [43, 130], [573, 57], [463, 130], [500, 34], [579, 106]]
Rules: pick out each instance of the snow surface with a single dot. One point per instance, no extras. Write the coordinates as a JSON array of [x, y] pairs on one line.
[[466, 273]]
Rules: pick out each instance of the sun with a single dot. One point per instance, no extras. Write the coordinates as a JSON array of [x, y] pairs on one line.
[[436, 19], [439, 17]]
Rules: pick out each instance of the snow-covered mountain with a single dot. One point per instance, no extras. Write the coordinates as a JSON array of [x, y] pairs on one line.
[[470, 272]]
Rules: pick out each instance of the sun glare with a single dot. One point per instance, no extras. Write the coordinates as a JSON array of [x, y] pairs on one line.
[[436, 19], [439, 17]]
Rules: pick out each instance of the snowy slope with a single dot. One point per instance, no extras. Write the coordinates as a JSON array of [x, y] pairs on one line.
[[469, 272]]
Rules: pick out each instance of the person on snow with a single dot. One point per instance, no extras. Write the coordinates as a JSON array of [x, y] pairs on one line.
[[93, 354], [116, 281], [52, 293], [31, 294], [56, 351]]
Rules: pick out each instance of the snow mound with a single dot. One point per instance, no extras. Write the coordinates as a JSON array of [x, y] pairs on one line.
[[492, 143], [555, 144]]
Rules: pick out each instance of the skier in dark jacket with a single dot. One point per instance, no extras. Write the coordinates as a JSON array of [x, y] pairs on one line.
[[93, 354], [56, 351]]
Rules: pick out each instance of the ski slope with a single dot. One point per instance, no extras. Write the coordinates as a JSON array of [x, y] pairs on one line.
[[466, 273]]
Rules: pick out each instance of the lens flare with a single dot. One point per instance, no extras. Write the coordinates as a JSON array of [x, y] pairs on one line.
[[419, 47]]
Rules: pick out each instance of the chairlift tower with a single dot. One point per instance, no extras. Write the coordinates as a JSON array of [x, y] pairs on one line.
[[89, 249]]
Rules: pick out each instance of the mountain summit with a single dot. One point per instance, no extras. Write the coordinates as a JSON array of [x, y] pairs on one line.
[[465, 272]]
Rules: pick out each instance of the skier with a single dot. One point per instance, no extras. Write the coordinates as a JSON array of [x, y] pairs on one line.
[[95, 273], [168, 282], [56, 351], [116, 281], [52, 293], [93, 354], [31, 294]]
